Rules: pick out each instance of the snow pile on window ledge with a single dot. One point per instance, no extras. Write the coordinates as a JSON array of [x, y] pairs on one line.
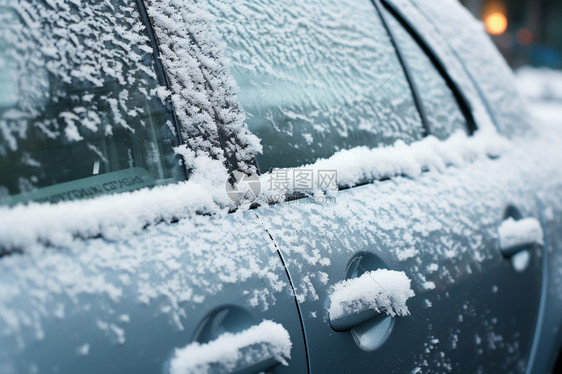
[[524, 231], [233, 351], [382, 290], [363, 165], [115, 216], [32, 226]]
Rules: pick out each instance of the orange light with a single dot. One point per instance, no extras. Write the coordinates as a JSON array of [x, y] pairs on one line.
[[495, 23], [524, 36]]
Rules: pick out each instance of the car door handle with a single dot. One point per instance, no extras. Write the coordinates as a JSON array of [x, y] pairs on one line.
[[358, 300], [257, 349], [518, 235]]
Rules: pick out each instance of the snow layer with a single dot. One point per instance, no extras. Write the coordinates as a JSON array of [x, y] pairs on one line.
[[65, 41], [234, 351], [363, 165], [525, 231], [115, 216], [159, 277], [202, 89], [382, 290], [299, 86], [25, 227], [46, 41]]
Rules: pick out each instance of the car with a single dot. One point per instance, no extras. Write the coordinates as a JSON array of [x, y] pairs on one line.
[[246, 186]]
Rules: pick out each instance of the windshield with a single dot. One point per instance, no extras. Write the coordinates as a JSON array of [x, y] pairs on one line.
[[79, 114]]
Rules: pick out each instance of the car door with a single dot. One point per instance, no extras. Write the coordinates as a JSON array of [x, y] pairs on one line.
[[135, 282], [132, 305], [439, 228]]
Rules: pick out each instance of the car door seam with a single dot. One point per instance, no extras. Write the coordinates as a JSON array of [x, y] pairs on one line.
[[292, 288]]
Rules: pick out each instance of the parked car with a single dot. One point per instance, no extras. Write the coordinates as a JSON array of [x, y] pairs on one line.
[[246, 186]]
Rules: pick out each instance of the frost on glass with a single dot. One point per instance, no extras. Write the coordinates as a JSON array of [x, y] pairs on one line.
[[311, 81], [77, 102], [441, 107]]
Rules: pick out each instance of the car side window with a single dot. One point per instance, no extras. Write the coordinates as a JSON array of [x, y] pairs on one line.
[[315, 77], [78, 112], [441, 108]]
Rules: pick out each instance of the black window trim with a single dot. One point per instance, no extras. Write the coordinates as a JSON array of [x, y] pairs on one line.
[[481, 95], [460, 98]]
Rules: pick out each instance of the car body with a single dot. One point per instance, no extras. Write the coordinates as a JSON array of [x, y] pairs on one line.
[[392, 137]]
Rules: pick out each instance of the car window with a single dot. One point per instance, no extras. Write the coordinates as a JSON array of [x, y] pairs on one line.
[[441, 108], [78, 112], [315, 77]]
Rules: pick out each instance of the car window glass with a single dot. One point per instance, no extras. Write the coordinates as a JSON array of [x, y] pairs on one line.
[[78, 114], [440, 105], [315, 77]]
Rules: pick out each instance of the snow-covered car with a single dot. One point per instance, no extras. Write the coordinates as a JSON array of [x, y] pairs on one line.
[[240, 186]]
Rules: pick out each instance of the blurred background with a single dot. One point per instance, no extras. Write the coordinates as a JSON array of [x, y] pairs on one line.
[[527, 32], [529, 35]]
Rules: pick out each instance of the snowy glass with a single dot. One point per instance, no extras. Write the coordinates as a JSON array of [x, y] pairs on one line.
[[315, 77], [441, 108], [78, 114]]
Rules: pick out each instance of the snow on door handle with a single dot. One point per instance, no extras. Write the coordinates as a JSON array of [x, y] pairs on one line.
[[257, 349], [358, 300], [516, 236]]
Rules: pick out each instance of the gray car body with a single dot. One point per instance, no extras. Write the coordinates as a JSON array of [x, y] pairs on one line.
[[116, 306]]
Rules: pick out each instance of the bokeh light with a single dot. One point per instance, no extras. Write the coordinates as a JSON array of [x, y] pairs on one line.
[[496, 23], [524, 36]]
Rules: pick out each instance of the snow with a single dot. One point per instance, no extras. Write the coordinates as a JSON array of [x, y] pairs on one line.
[[115, 268], [361, 164], [83, 350], [382, 290], [162, 274], [539, 84], [292, 62], [202, 89], [514, 233], [521, 260], [233, 351], [31, 226], [405, 254], [51, 40], [116, 216], [47, 42]]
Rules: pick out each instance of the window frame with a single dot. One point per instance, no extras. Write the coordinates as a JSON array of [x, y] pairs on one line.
[[462, 101], [161, 77]]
